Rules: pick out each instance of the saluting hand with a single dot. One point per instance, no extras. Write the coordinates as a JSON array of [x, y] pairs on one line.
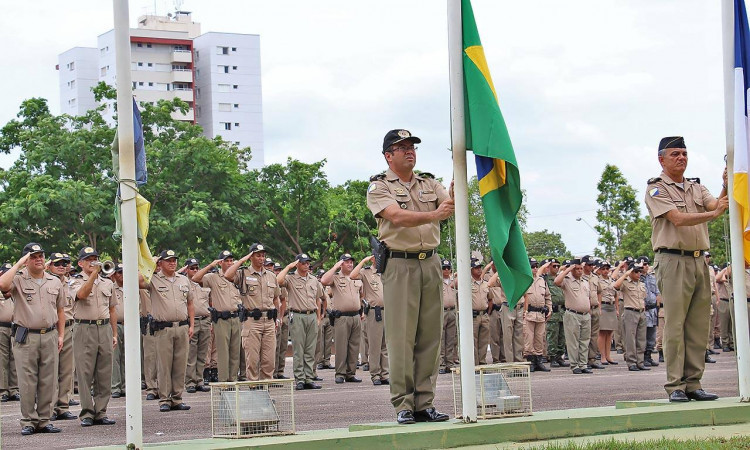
[[215, 262], [24, 258]]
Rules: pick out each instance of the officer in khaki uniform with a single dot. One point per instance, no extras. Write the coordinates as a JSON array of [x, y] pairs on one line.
[[726, 324], [148, 346], [94, 337], [225, 300], [173, 311], [260, 293], [555, 327], [680, 209], [634, 316], [201, 332], [59, 265], [118, 353], [325, 330], [8, 379], [577, 318], [512, 321], [595, 297], [481, 304], [449, 337], [346, 316], [304, 295], [408, 209], [537, 308], [39, 317], [282, 332], [495, 314], [374, 318]]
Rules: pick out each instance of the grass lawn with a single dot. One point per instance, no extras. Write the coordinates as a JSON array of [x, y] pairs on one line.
[[661, 444]]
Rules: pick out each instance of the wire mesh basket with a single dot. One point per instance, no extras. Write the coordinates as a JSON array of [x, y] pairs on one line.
[[502, 390], [252, 408]]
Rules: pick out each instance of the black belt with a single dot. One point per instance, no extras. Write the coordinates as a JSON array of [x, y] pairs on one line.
[[412, 255], [478, 312], [93, 322], [650, 307], [349, 313], [170, 324], [299, 311], [226, 315], [120, 323], [6, 324], [449, 309], [536, 309], [674, 251], [517, 304], [608, 303], [42, 331], [633, 309], [69, 322], [576, 312], [201, 317], [724, 300]]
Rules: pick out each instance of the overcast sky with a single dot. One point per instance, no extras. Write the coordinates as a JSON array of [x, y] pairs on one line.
[[581, 83]]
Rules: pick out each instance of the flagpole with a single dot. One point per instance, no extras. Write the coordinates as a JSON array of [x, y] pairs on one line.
[[133, 405], [742, 334], [461, 194]]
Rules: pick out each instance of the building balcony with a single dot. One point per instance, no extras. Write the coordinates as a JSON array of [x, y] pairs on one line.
[[189, 116], [183, 94], [182, 56], [182, 76]]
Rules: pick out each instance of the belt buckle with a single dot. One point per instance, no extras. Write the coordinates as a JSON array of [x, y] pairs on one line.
[[422, 255], [43, 331], [697, 254], [99, 321]]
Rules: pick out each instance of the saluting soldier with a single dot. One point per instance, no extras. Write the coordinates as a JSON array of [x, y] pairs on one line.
[[8, 379], [481, 304], [260, 293], [148, 345], [495, 314], [174, 313], [608, 318], [304, 294], [225, 300], [537, 308], [325, 330], [201, 331], [634, 316], [346, 315], [118, 353], [595, 298], [39, 318], [555, 327], [653, 297], [449, 337], [680, 209], [59, 266], [282, 334], [374, 318], [577, 318], [94, 337], [512, 321]]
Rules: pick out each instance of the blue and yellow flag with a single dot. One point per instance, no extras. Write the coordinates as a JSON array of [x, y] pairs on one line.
[[497, 171]]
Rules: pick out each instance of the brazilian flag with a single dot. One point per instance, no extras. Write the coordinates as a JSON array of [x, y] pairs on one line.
[[497, 171]]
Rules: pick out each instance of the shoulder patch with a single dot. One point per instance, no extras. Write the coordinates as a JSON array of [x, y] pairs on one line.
[[371, 188], [653, 180], [426, 175], [695, 180], [380, 176], [653, 192]]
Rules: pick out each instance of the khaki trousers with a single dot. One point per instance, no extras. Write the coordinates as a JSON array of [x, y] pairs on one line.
[[118, 361], [481, 324], [325, 341], [346, 334], [227, 342], [685, 288], [364, 344], [259, 344], [92, 347], [304, 331], [197, 351], [36, 366], [634, 337], [726, 324], [171, 353], [496, 337], [512, 320], [534, 341], [449, 340], [577, 335], [660, 331], [211, 354], [378, 357], [282, 342], [150, 364], [413, 295], [8, 378], [594, 341], [619, 331]]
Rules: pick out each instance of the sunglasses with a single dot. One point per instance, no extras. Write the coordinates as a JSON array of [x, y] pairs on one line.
[[192, 268], [555, 265], [61, 263]]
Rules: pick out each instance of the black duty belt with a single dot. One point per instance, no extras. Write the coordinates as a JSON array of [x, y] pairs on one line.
[[650, 307], [449, 309], [120, 323], [576, 312], [69, 322], [202, 317], [540, 309], [478, 312], [517, 304], [159, 324], [226, 315], [633, 309], [674, 251], [349, 313], [42, 331], [724, 300], [6, 324], [608, 303], [300, 311], [411, 255], [93, 322]]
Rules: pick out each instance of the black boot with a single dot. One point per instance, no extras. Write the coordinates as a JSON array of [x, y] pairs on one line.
[[717, 343], [661, 355], [206, 375], [648, 360], [214, 375], [532, 360], [708, 358], [539, 365], [561, 361]]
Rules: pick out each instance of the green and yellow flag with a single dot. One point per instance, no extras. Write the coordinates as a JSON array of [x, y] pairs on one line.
[[497, 171]]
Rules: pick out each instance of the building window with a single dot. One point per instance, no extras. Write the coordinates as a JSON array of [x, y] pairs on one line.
[[197, 94], [236, 105], [236, 124], [140, 64], [140, 83], [134, 84], [197, 55], [139, 45], [234, 67], [235, 86], [71, 66], [148, 45], [223, 88], [72, 102], [150, 64], [103, 71], [150, 83], [222, 50], [225, 125], [225, 107], [234, 49], [71, 84]]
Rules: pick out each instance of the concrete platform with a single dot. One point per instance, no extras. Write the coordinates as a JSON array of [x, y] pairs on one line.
[[628, 417]]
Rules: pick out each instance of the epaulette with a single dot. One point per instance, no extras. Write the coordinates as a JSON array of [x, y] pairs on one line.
[[695, 180], [653, 180], [78, 275], [426, 175], [380, 176]]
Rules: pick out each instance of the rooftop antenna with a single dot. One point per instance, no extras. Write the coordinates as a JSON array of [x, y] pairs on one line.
[[178, 5]]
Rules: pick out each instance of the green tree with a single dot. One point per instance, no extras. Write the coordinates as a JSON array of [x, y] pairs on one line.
[[617, 209], [718, 235], [636, 241], [545, 244]]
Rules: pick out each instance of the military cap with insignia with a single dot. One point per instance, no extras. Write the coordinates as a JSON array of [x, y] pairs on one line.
[[447, 264], [32, 247], [587, 259], [672, 142], [303, 257], [533, 262], [277, 266], [553, 260], [475, 263], [225, 254], [396, 136], [57, 257], [604, 263], [346, 257], [192, 262], [6, 267], [119, 267], [85, 252], [320, 273], [268, 262], [642, 259], [255, 248], [167, 254]]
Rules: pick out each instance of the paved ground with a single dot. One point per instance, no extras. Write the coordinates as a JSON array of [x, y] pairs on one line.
[[338, 406]]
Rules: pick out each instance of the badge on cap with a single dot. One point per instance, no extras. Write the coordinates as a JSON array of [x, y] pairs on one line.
[[304, 255], [37, 248], [86, 250], [225, 253], [403, 134], [653, 192], [260, 248], [170, 253]]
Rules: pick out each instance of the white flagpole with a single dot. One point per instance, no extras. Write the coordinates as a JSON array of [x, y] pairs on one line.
[[133, 406], [742, 335], [461, 190]]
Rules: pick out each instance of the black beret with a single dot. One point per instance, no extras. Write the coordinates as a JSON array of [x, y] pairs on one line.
[[672, 142]]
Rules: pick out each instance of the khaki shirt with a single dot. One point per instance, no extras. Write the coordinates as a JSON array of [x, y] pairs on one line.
[[576, 294], [724, 289], [262, 288], [346, 293], [35, 306], [480, 295], [423, 194], [609, 293], [6, 309], [634, 293], [70, 302], [224, 295], [303, 292], [200, 299], [120, 307], [373, 287], [665, 195], [593, 288], [538, 295], [169, 298], [96, 305], [449, 294], [144, 305]]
